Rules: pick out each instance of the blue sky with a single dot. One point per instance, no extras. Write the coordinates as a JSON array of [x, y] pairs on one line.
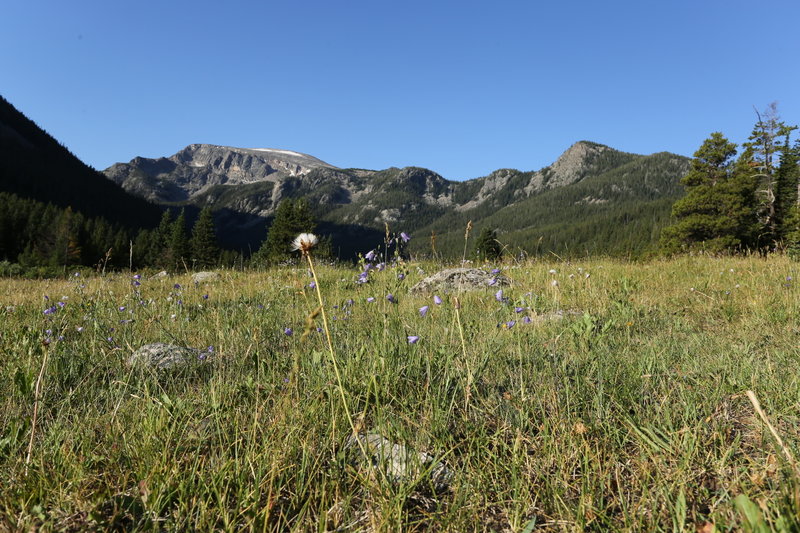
[[460, 87]]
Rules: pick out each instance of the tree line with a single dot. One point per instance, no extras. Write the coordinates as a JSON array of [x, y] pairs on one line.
[[744, 201]]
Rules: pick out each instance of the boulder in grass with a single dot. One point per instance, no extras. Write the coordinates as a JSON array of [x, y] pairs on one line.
[[398, 462], [161, 356], [459, 279], [205, 277]]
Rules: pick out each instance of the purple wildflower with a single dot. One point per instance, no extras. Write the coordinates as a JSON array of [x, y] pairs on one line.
[[137, 276], [390, 297], [499, 295], [369, 256], [437, 300], [50, 310], [61, 304], [121, 307], [288, 332], [492, 281], [401, 276], [526, 320], [510, 324], [380, 266], [495, 271], [205, 297], [370, 299], [519, 309], [405, 236], [423, 310], [412, 339], [312, 285], [177, 286]]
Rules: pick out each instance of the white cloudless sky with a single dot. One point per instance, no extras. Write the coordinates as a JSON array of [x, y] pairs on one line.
[[460, 87]]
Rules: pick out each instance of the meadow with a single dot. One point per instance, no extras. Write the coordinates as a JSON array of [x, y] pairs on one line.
[[594, 395]]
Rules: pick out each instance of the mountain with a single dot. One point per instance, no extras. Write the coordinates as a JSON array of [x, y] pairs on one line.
[[590, 193], [34, 165]]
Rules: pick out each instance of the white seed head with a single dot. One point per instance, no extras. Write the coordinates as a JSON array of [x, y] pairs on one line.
[[304, 242]]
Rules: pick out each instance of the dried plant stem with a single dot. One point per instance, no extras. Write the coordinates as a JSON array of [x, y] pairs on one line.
[[36, 400], [330, 343], [757, 406]]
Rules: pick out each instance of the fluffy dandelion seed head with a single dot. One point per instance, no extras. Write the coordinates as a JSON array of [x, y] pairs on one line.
[[304, 242]]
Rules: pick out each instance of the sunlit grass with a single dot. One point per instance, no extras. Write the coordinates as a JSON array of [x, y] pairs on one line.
[[620, 406]]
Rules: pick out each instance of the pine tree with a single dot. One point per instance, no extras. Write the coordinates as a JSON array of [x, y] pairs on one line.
[[716, 214], [291, 218], [205, 251], [178, 247], [767, 148], [487, 247]]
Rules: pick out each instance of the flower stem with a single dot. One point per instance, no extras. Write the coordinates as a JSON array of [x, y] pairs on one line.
[[330, 343]]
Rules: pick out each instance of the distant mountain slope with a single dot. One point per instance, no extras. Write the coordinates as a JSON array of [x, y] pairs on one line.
[[34, 165], [564, 206]]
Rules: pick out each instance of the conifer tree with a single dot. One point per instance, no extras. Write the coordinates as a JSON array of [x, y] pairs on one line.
[[291, 218], [716, 214], [178, 248], [487, 247], [205, 251]]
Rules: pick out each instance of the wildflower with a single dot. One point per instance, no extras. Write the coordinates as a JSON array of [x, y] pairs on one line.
[[552, 271], [499, 295], [205, 297], [526, 320], [121, 307], [177, 286], [423, 310], [788, 278], [412, 339], [510, 324], [135, 283], [312, 285], [288, 332], [390, 297], [554, 283], [519, 309], [50, 310], [380, 266], [137, 276], [79, 329], [405, 236], [492, 282], [370, 256], [370, 299], [61, 304], [401, 276], [304, 242], [495, 271], [437, 300]]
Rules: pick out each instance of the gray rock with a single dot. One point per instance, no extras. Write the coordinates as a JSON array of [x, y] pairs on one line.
[[161, 356], [459, 279], [398, 462], [205, 277]]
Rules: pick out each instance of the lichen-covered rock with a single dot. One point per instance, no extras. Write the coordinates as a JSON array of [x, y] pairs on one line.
[[399, 463], [161, 356], [205, 277], [459, 279]]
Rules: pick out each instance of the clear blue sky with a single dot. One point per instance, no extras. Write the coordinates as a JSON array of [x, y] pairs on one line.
[[460, 87]]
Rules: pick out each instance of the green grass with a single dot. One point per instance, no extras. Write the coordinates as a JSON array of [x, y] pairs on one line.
[[629, 414]]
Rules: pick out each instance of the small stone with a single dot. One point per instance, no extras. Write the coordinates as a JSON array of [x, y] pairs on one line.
[[459, 279], [161, 356], [399, 463], [205, 277]]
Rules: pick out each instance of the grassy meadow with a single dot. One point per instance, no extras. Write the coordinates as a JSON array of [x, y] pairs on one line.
[[612, 400]]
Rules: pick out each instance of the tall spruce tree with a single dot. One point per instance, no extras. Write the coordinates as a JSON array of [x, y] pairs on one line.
[[291, 218], [205, 250], [487, 247], [178, 248], [767, 150], [716, 214]]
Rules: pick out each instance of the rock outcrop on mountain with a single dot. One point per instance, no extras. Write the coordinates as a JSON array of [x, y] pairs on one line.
[[244, 186]]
